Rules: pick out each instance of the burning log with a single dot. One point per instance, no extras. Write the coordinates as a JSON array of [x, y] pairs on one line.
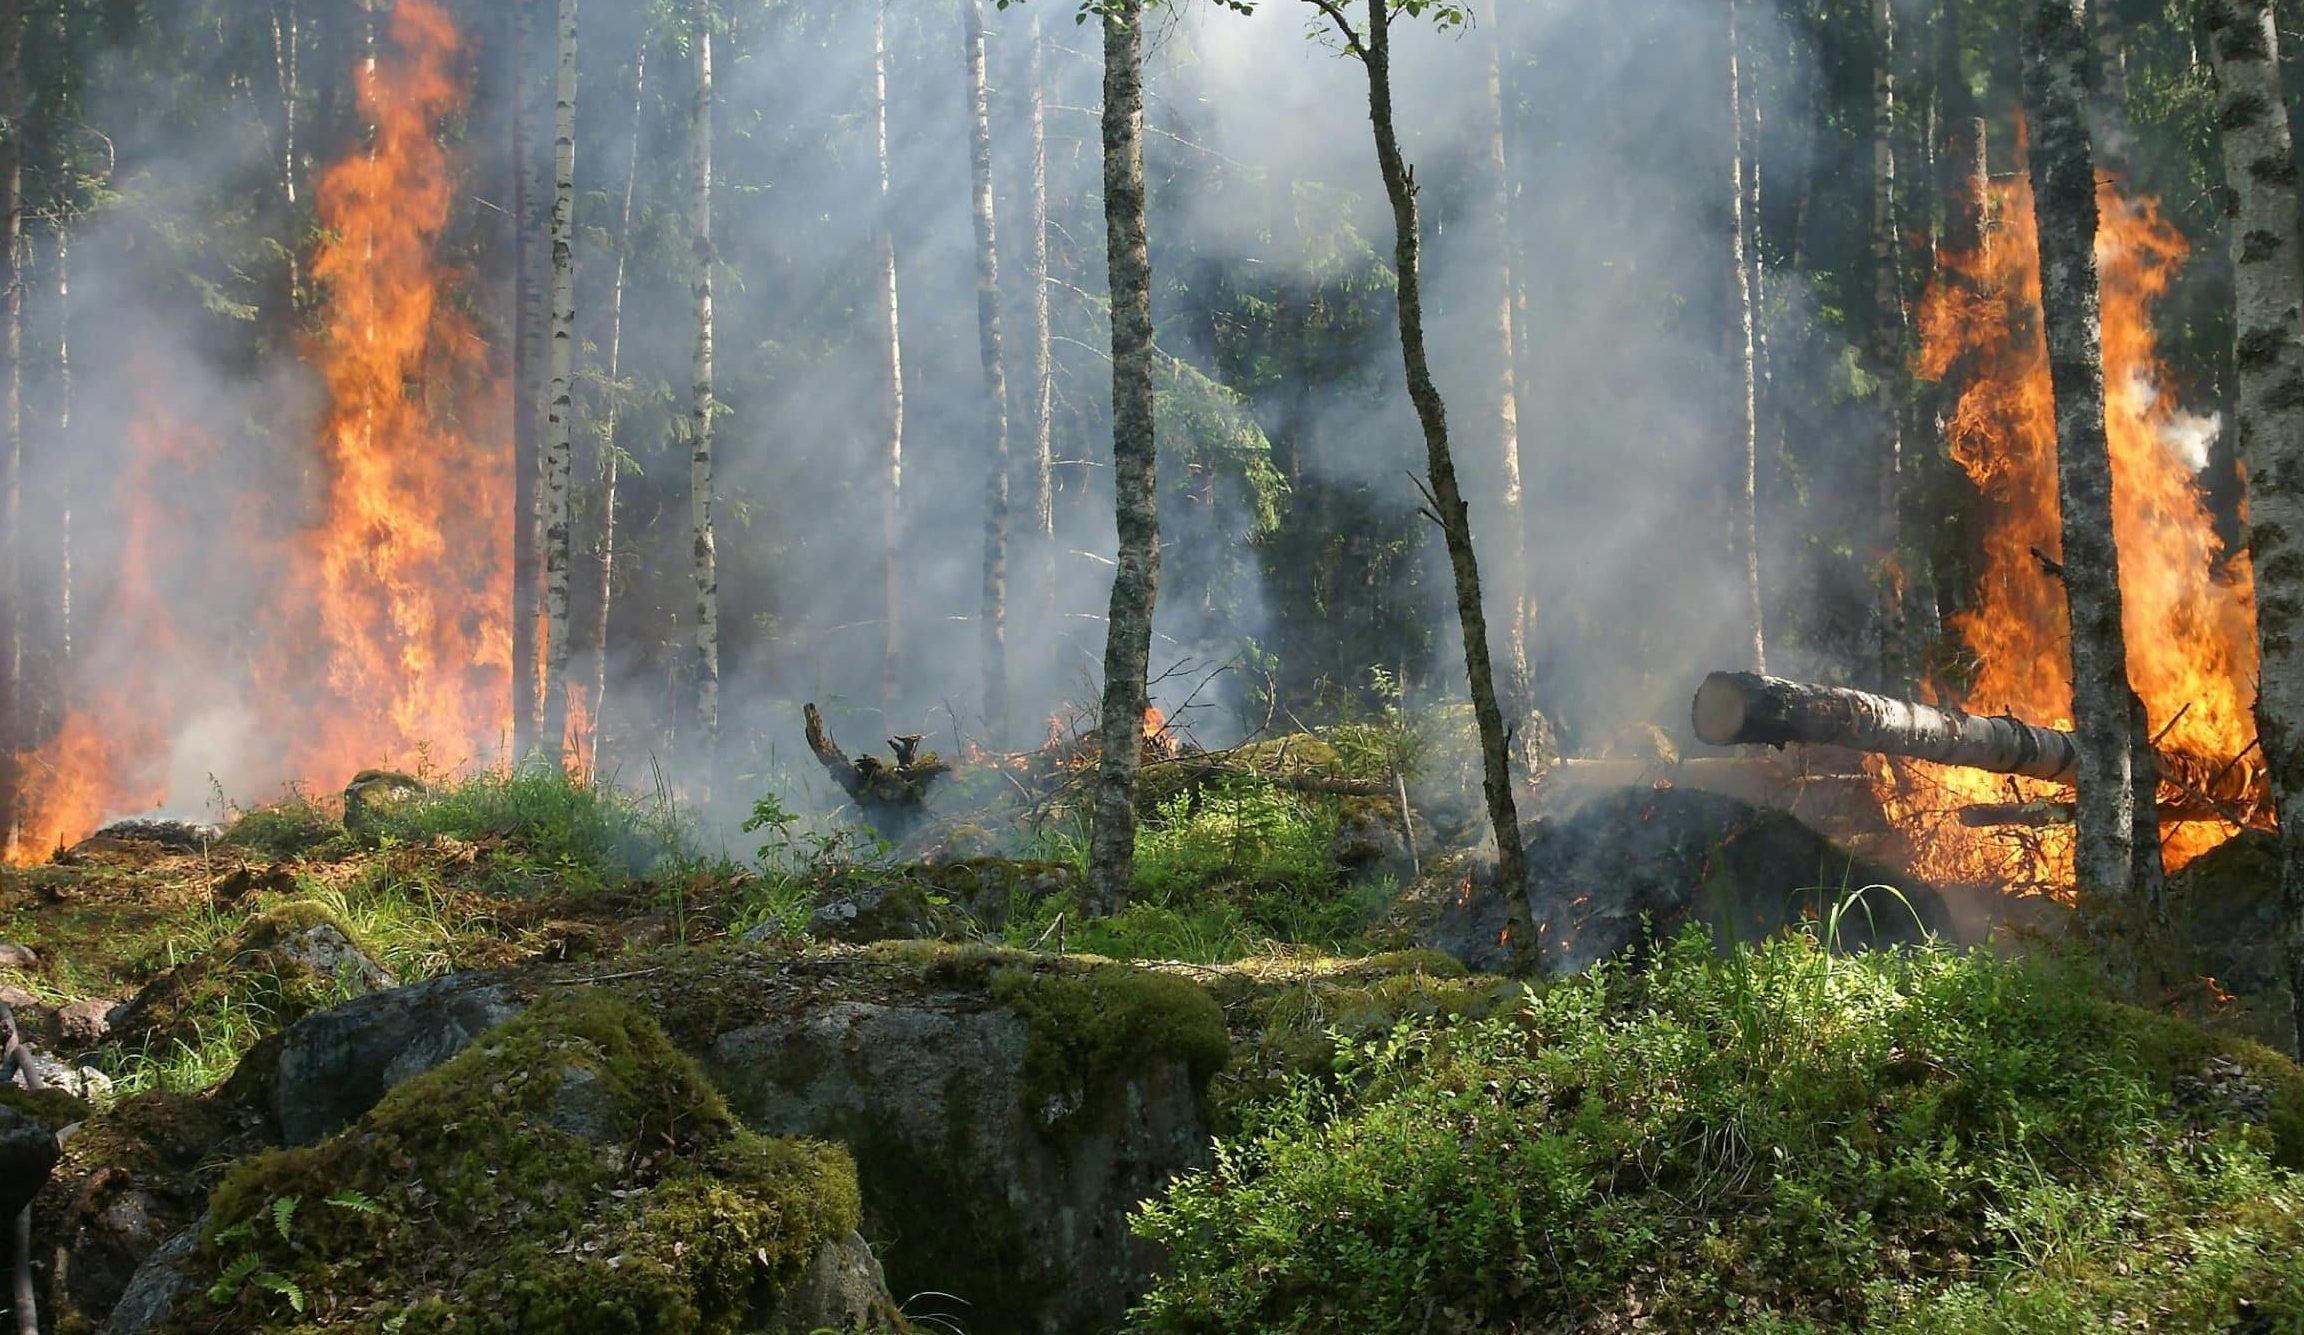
[[891, 795], [1745, 708]]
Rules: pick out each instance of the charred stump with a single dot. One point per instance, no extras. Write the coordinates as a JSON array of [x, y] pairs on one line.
[[892, 795]]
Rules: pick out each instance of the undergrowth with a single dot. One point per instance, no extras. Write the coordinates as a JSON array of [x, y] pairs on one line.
[[1778, 1140]]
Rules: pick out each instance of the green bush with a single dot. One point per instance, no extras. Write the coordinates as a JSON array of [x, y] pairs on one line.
[[542, 827], [1774, 1141]]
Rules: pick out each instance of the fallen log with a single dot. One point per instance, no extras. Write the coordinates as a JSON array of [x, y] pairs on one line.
[[1745, 708]]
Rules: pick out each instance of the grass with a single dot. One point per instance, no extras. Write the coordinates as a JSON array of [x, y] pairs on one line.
[[1773, 1141]]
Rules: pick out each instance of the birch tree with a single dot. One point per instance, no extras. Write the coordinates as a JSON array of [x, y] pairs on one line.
[[1136, 577], [611, 411], [1043, 395], [992, 613], [1887, 351], [1371, 44], [2260, 179], [560, 406], [892, 366], [2114, 872], [527, 389], [703, 410], [1503, 404], [1746, 503]]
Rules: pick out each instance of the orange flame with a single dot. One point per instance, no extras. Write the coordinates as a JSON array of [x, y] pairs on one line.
[[388, 629], [2189, 613]]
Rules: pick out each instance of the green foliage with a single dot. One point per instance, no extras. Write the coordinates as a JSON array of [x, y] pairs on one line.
[[1773, 1141], [1089, 1027], [799, 866], [541, 828], [291, 827]]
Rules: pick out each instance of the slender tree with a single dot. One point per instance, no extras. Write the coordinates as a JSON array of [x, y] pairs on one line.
[[1746, 504], [1373, 49], [2110, 866], [702, 413], [892, 366], [1897, 658], [527, 389], [1043, 336], [559, 420], [1136, 576], [11, 413], [2260, 179], [611, 412], [1510, 521], [992, 614]]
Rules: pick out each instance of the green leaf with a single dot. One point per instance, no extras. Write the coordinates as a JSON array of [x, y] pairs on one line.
[[227, 1285], [282, 1285], [284, 1214], [354, 1201]]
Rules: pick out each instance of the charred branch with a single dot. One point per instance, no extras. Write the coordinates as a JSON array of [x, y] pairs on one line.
[[893, 794]]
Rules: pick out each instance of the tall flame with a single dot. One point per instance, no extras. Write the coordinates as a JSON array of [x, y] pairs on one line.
[[2188, 607], [388, 629]]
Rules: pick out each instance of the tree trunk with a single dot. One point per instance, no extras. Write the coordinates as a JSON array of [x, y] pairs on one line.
[[611, 455], [1375, 54], [2110, 867], [68, 474], [700, 422], [892, 425], [287, 34], [1898, 657], [559, 421], [2109, 105], [1136, 576], [12, 738], [1043, 340], [992, 616], [2260, 173], [1745, 505], [1510, 516], [527, 397]]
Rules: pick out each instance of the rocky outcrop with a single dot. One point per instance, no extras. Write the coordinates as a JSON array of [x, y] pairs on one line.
[[1005, 1111]]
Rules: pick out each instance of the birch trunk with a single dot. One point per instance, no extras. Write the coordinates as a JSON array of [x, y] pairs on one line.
[[1897, 661], [700, 422], [892, 425], [1136, 576], [559, 419], [1043, 339], [2260, 173], [611, 456], [1374, 52], [67, 488], [12, 737], [992, 614], [1511, 541], [527, 398], [2108, 863], [1746, 504], [287, 33]]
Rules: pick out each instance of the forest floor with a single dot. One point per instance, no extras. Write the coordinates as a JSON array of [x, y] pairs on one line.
[[1764, 1138]]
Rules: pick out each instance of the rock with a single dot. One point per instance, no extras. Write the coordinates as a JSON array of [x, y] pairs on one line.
[[843, 1290], [1670, 857], [84, 1024], [893, 910], [154, 1288], [2227, 905], [1369, 840], [335, 1065], [13, 956], [28, 1154], [654, 1211], [1037, 1100], [187, 836]]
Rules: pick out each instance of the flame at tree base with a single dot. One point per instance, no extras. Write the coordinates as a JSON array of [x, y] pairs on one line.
[[2188, 612]]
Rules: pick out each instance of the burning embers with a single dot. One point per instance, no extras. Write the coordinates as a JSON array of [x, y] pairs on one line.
[[2189, 612], [385, 625]]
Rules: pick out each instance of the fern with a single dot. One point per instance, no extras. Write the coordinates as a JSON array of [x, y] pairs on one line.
[[283, 1215], [243, 1231], [282, 1285], [356, 1202], [227, 1285]]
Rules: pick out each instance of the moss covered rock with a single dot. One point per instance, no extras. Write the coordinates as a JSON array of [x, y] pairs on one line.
[[283, 965], [569, 1172]]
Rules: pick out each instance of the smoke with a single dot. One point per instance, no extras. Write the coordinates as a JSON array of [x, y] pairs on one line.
[[1264, 190]]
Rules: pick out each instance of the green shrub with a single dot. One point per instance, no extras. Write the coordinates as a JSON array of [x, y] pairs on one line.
[[1774, 1141], [291, 827], [541, 827]]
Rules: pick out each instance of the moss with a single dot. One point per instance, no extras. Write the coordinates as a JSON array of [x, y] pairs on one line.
[[51, 1108], [250, 985], [1089, 1026], [2172, 1049], [569, 1171]]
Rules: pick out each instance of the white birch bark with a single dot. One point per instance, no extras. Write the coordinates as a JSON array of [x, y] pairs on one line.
[[892, 367], [702, 412], [992, 613], [559, 412]]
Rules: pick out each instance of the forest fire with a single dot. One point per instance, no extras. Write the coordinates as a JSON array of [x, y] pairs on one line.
[[384, 630], [2188, 608]]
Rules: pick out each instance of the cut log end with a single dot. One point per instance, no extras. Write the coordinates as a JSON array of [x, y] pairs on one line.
[[1720, 713]]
